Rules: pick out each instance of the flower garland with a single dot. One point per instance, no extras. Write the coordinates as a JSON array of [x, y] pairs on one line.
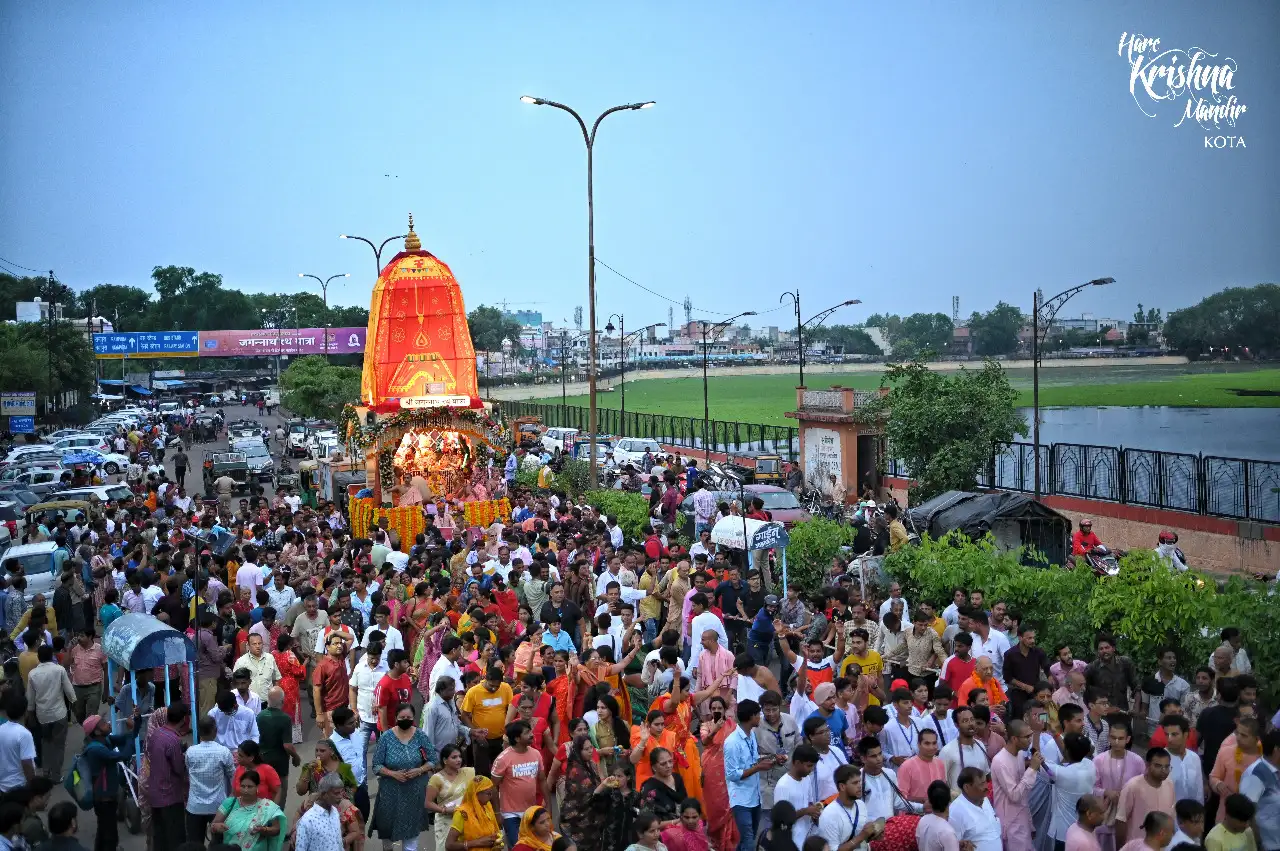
[[486, 512], [407, 521], [487, 427]]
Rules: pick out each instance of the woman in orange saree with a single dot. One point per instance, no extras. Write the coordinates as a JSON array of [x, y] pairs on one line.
[[721, 826], [564, 690], [677, 708], [599, 669]]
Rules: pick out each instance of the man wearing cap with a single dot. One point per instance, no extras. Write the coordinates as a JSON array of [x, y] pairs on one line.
[[761, 635], [1083, 540], [102, 752]]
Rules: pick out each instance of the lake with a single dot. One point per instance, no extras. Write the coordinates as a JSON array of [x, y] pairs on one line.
[[1252, 433]]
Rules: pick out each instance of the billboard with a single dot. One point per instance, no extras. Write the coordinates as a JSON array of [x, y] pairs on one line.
[[227, 344], [20, 403], [284, 341], [146, 344]]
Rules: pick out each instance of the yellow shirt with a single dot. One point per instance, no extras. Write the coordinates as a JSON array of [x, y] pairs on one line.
[[650, 606], [488, 708], [939, 626], [872, 666], [1220, 840], [897, 535]]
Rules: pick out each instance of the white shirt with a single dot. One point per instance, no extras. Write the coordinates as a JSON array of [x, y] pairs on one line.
[[824, 773], [610, 640], [956, 759], [397, 560], [364, 680], [280, 599], [615, 537], [951, 615], [603, 580], [800, 794], [393, 639], [151, 595], [444, 668], [698, 549], [319, 830], [16, 747], [234, 729], [249, 576], [293, 501], [493, 566], [838, 825], [944, 727], [878, 794], [1071, 782], [900, 739], [1187, 775], [994, 648], [352, 752], [978, 825], [700, 624], [906, 609]]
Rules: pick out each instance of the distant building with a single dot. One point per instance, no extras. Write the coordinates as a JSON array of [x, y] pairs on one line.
[[527, 318]]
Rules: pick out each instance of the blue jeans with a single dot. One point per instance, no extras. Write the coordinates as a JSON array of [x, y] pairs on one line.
[[511, 829], [748, 821], [650, 630], [759, 650]]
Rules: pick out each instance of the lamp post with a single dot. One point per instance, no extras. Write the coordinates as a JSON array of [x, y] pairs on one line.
[[1042, 316], [819, 318], [377, 249], [706, 403], [589, 137], [622, 345], [324, 294]]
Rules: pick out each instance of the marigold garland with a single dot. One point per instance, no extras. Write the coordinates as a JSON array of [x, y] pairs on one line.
[[485, 513]]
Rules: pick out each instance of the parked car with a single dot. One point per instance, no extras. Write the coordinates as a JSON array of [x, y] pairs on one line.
[[102, 493], [81, 441], [111, 462], [169, 407], [554, 438], [631, 450], [36, 561], [780, 503], [242, 429], [18, 453], [257, 457]]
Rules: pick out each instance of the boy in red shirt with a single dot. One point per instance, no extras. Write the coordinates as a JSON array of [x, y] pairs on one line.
[[393, 689]]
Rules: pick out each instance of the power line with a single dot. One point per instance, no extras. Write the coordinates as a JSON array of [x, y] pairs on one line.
[[24, 268], [671, 300]]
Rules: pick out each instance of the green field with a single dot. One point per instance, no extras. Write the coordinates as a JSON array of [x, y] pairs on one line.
[[764, 398]]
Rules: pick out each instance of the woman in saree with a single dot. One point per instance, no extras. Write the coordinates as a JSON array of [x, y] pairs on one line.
[[721, 827], [564, 690], [689, 834], [446, 790], [677, 708], [292, 675], [598, 667], [249, 822], [611, 735], [475, 825], [580, 819], [428, 652], [664, 792], [535, 832], [327, 762]]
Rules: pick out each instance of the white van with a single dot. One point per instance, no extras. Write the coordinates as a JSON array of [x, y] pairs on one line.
[[631, 450], [554, 438]]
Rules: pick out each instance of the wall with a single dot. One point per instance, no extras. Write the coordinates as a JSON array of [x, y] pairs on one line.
[[1212, 544]]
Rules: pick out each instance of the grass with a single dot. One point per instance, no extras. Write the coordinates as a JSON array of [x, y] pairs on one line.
[[764, 398]]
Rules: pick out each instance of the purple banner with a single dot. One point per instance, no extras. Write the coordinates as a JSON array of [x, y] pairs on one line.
[[285, 341]]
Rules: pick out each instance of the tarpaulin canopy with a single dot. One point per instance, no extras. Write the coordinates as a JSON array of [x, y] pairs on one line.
[[81, 458], [111, 382], [1016, 520], [167, 384], [140, 390], [135, 641]]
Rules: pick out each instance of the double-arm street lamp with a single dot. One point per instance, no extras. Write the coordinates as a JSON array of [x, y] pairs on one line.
[[324, 295], [274, 318], [622, 354], [565, 340], [818, 318], [589, 137], [377, 249], [706, 403], [1042, 316]]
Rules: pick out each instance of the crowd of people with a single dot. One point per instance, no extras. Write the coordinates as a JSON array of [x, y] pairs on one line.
[[550, 685]]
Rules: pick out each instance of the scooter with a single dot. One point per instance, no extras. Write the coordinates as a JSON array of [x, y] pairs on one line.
[[1102, 561]]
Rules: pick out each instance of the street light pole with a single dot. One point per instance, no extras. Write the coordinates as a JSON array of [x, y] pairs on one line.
[[324, 294], [1040, 323], [589, 137], [706, 399], [622, 343], [817, 317], [377, 249]]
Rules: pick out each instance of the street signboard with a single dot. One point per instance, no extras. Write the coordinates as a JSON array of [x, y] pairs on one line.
[[22, 425], [153, 344], [281, 341], [21, 403]]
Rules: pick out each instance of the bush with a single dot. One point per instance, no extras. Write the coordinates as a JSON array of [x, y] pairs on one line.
[[574, 477], [1146, 607], [630, 509], [526, 478], [814, 544]]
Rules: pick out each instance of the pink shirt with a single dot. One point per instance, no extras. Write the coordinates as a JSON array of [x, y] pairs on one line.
[[1079, 839], [712, 666], [1137, 798], [934, 833], [1011, 784], [915, 775], [1058, 677]]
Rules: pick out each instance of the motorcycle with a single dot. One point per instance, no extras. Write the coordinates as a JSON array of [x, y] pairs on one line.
[[1102, 561]]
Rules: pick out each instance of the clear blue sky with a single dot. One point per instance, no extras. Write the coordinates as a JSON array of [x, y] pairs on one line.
[[853, 149]]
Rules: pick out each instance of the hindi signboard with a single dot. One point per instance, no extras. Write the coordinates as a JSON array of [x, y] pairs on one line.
[[283, 341], [147, 344], [22, 425], [19, 403]]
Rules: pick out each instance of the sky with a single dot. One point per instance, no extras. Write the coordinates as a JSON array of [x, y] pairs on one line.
[[900, 154]]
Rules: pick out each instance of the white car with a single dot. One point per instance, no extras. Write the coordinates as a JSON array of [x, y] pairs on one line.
[[169, 407], [554, 438], [40, 476], [631, 450], [82, 441], [17, 453], [36, 561], [111, 462]]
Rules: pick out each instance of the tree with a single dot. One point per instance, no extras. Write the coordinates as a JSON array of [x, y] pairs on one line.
[[489, 327], [877, 320], [125, 306], [850, 339], [314, 388], [996, 331], [945, 426], [1236, 318], [920, 334]]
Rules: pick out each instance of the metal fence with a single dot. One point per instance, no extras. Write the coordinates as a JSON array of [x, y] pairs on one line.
[[689, 432], [1200, 484]]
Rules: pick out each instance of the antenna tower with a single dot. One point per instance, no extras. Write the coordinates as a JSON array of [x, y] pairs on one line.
[[671, 317], [955, 309], [688, 310]]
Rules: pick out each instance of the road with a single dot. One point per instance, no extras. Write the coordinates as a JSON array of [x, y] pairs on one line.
[[86, 821]]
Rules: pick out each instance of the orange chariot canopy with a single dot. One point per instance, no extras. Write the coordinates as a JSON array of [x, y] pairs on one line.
[[418, 351]]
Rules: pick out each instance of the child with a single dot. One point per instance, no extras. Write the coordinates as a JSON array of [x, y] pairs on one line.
[[1233, 834], [1190, 815]]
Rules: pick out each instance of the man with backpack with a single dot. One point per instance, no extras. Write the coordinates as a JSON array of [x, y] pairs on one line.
[[94, 778]]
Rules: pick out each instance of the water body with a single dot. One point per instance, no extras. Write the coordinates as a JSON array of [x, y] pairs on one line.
[[1252, 433]]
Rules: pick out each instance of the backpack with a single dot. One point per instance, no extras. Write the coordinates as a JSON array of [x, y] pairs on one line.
[[78, 783]]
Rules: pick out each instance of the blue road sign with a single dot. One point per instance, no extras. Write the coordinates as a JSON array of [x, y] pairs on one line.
[[168, 344], [22, 425]]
